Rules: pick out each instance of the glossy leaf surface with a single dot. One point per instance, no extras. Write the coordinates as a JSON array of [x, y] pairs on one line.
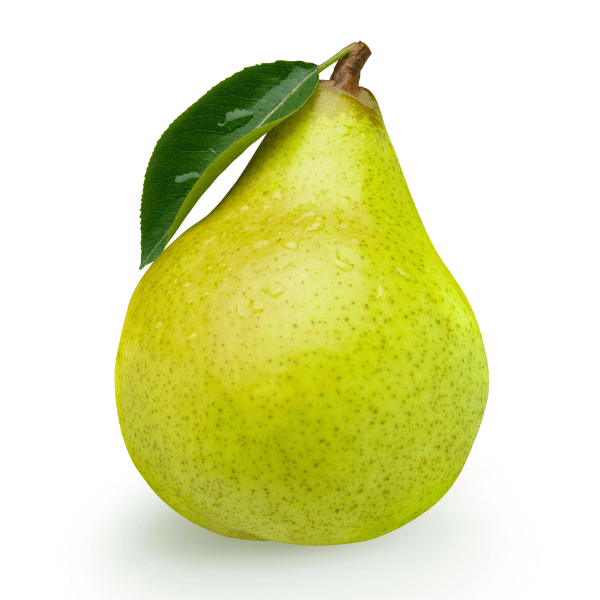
[[211, 134]]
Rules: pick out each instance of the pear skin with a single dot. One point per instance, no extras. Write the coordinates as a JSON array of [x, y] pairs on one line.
[[300, 366]]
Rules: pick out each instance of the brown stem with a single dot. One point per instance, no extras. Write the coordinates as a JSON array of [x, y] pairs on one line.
[[346, 73]]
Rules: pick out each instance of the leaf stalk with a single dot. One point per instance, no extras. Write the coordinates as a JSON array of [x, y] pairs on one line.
[[336, 57]]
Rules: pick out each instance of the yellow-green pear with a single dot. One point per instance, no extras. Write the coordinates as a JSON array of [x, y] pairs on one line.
[[300, 366]]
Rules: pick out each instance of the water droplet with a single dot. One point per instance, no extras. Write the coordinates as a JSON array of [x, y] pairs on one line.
[[256, 306], [401, 272], [186, 176], [189, 301], [244, 208], [315, 226], [266, 206], [269, 219], [238, 309], [289, 244], [159, 324], [276, 196], [205, 294], [274, 289], [355, 241], [342, 265], [208, 241], [260, 244], [192, 337], [187, 284], [380, 292], [310, 213], [234, 119], [355, 249], [343, 226]]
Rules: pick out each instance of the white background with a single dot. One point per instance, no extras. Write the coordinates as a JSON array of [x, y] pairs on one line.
[[493, 108]]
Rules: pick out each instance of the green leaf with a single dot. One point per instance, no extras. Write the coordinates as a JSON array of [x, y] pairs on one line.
[[209, 136]]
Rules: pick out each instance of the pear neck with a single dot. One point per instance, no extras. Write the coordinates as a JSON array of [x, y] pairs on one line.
[[364, 96]]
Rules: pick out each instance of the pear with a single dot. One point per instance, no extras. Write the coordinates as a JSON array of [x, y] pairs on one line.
[[300, 366]]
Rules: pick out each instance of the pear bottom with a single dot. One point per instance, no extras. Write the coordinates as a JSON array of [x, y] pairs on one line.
[[239, 534], [322, 527], [225, 531]]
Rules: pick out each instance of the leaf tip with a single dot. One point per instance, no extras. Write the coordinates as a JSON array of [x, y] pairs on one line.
[[146, 260]]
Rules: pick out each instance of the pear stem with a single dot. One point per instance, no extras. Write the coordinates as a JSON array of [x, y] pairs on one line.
[[346, 74]]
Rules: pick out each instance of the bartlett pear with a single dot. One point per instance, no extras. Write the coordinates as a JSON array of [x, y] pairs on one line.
[[300, 366]]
